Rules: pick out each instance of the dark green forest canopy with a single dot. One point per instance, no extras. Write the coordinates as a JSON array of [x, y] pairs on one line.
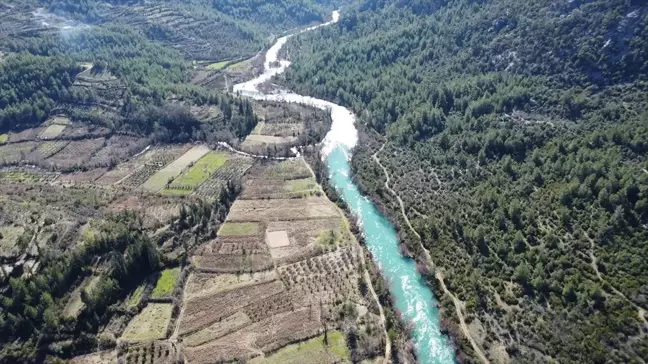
[[517, 135]]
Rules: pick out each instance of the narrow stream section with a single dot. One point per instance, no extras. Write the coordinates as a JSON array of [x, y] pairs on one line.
[[412, 295]]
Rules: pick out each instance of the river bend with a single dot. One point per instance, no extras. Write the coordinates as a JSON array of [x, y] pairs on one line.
[[413, 298]]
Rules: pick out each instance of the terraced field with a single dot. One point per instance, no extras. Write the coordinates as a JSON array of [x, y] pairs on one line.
[[164, 176], [232, 170], [196, 175], [277, 272], [150, 324], [195, 33], [146, 165]]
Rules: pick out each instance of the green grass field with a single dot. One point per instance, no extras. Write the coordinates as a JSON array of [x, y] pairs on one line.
[[216, 66], [301, 185], [19, 176], [166, 283], [314, 349], [177, 192], [239, 228], [242, 66], [4, 138], [136, 297], [200, 171]]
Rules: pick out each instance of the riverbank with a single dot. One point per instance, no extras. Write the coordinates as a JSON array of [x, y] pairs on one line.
[[389, 203], [411, 294], [399, 340]]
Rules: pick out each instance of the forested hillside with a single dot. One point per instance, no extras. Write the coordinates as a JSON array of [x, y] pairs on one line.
[[137, 58], [199, 29], [94, 90], [516, 135]]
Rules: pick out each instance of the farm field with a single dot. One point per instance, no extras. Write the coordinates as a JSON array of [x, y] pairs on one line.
[[233, 170], [166, 282], [310, 272], [282, 209], [45, 150], [117, 149], [26, 175], [316, 350], [139, 169], [197, 174], [216, 66], [155, 352], [269, 275], [150, 324], [52, 131], [75, 304], [25, 135], [164, 176], [79, 177], [204, 284], [239, 228], [75, 153], [243, 66], [135, 298], [14, 153], [262, 140], [277, 188]]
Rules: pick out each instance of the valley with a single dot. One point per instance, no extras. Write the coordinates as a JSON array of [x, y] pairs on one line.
[[131, 234], [277, 181]]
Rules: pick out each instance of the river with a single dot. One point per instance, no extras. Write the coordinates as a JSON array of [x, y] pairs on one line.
[[412, 295]]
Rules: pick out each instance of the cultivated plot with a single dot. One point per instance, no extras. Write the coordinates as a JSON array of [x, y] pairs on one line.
[[150, 324], [187, 182], [75, 304], [282, 209], [205, 284], [279, 188], [163, 177], [218, 329], [317, 350], [76, 153], [239, 229], [45, 150], [203, 311], [266, 335], [117, 149], [14, 153], [25, 135], [79, 177], [166, 283], [52, 131], [232, 170], [141, 168]]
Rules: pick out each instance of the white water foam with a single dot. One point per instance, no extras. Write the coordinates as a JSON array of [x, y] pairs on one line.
[[343, 132]]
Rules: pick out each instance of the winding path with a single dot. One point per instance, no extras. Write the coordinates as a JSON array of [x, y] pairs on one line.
[[439, 274], [594, 262]]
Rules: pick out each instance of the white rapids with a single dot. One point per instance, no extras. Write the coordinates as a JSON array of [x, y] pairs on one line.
[[343, 131]]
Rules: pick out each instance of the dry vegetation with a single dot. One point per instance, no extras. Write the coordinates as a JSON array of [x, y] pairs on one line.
[[284, 126], [149, 324], [296, 266], [278, 271], [164, 176]]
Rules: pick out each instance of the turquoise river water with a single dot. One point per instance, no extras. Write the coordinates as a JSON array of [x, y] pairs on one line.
[[413, 298]]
